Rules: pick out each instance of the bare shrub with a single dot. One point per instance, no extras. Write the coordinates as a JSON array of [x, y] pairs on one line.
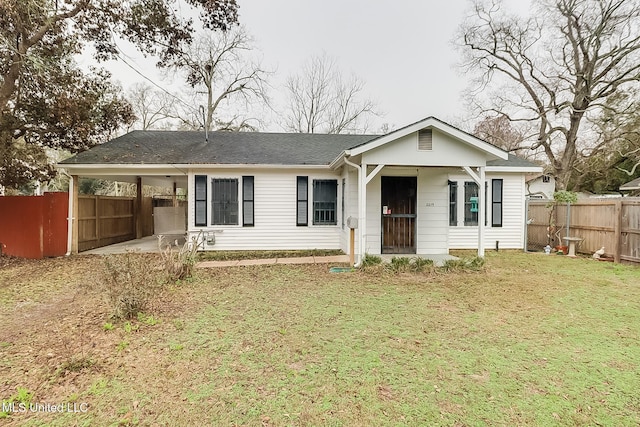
[[178, 264], [130, 281]]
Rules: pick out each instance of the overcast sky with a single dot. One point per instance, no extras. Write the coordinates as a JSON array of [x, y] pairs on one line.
[[401, 49]]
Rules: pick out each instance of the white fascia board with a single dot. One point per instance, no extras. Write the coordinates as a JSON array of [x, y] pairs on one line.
[[436, 124], [512, 169], [338, 161], [182, 168]]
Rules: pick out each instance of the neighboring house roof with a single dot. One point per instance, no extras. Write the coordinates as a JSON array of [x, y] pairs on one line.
[[631, 185], [181, 147], [512, 161]]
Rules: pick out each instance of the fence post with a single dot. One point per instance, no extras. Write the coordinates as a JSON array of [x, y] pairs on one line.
[[97, 208], [526, 224], [617, 230]]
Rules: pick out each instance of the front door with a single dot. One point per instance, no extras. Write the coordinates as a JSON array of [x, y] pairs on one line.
[[399, 214]]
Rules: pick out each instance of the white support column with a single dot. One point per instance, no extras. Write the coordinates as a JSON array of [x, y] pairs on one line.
[[479, 179], [363, 210], [481, 212]]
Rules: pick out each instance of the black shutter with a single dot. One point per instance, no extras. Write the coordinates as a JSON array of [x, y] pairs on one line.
[[247, 201], [453, 203], [302, 201], [201, 200], [496, 202]]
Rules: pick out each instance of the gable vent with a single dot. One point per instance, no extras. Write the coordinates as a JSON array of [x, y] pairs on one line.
[[425, 140]]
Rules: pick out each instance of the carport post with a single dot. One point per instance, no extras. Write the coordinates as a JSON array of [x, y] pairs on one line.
[[73, 213], [138, 208]]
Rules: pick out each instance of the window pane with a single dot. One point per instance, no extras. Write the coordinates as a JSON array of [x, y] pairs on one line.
[[470, 203]]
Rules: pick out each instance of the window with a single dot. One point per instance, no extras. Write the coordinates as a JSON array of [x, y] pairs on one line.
[[247, 201], [470, 203], [302, 200], [325, 199], [453, 203], [342, 204], [201, 200], [496, 202], [224, 201]]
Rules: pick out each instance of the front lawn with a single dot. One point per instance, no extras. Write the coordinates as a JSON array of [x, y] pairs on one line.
[[529, 340]]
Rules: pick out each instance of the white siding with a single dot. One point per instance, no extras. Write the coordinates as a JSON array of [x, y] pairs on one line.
[[275, 213], [446, 151], [351, 205], [431, 203], [511, 234], [433, 211]]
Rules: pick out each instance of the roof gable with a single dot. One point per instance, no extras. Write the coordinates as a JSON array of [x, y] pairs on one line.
[[432, 123]]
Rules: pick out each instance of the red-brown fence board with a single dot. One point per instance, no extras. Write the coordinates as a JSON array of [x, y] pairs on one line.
[[34, 226]]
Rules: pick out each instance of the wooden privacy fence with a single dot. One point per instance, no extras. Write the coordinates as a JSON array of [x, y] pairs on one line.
[[612, 223], [105, 220]]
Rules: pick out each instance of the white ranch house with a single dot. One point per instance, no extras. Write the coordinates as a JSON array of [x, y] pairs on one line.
[[423, 189]]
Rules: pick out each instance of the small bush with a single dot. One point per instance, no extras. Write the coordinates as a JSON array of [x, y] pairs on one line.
[[421, 264], [399, 264], [179, 264], [463, 264], [370, 260], [130, 281]]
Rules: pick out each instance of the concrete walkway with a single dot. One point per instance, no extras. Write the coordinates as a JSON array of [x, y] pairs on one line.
[[298, 260]]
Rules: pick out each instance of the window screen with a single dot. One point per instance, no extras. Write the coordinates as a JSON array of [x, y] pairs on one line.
[[325, 200], [224, 201]]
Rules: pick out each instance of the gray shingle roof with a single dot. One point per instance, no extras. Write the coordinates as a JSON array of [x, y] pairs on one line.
[[631, 185], [178, 147], [513, 162], [188, 147]]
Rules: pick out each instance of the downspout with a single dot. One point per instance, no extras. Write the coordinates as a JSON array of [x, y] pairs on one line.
[[346, 161], [69, 216]]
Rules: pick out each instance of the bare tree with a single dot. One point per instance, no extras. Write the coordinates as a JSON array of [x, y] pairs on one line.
[[153, 108], [217, 66], [499, 131], [558, 68], [322, 100]]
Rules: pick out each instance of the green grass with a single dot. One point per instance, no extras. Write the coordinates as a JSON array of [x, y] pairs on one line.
[[526, 340]]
